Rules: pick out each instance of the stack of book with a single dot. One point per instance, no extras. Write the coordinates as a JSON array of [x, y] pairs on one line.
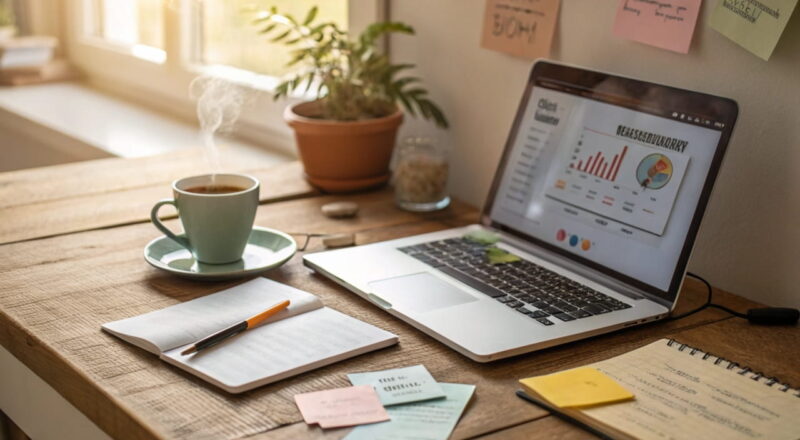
[[30, 60]]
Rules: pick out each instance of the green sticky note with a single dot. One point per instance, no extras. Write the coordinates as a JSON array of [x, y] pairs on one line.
[[482, 237], [756, 25], [500, 256], [429, 420]]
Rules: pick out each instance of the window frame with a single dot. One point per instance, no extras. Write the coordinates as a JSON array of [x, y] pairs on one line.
[[164, 83]]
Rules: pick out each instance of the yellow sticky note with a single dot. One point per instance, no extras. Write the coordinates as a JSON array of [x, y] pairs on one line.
[[756, 25], [584, 386]]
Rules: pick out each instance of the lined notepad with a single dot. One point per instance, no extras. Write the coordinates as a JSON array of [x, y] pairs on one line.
[[683, 392], [304, 336]]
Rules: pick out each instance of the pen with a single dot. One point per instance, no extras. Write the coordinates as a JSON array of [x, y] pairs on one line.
[[223, 334], [565, 417]]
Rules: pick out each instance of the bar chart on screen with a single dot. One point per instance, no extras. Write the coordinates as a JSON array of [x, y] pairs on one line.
[[598, 166], [620, 180]]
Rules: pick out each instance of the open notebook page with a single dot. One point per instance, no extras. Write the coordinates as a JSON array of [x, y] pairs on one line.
[[680, 395], [186, 323], [272, 352]]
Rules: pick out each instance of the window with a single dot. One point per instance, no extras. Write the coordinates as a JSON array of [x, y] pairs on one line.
[[135, 24], [229, 38], [213, 32], [150, 50]]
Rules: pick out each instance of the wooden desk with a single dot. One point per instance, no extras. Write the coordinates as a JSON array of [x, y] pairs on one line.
[[56, 291]]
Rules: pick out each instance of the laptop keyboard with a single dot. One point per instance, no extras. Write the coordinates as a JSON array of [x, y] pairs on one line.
[[539, 293]]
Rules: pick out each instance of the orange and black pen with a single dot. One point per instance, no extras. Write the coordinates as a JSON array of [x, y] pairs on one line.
[[249, 323]]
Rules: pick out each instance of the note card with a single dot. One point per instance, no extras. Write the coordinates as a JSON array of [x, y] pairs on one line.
[[665, 24], [341, 407], [578, 387], [400, 385], [429, 420], [522, 28], [756, 25]]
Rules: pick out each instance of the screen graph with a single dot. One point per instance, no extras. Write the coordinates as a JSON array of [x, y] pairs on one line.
[[623, 181], [597, 165]]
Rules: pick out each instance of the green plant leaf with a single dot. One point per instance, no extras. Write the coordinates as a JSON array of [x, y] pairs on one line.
[[312, 13], [269, 28], [281, 36], [309, 81], [402, 82], [353, 79], [376, 30]]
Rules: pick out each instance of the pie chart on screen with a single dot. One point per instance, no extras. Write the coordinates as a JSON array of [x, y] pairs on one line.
[[654, 171]]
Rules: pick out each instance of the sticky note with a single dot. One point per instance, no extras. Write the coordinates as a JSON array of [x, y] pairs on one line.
[[429, 420], [400, 385], [578, 387], [668, 25], [520, 28], [341, 407], [756, 25], [495, 255], [481, 236]]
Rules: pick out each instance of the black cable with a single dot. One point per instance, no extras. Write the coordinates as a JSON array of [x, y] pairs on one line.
[[763, 316], [732, 312], [710, 292]]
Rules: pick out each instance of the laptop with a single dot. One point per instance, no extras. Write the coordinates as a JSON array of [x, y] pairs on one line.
[[593, 212]]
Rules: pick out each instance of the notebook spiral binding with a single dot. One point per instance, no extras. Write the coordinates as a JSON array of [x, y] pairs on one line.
[[742, 370]]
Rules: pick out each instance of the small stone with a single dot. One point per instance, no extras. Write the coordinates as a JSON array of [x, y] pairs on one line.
[[338, 240], [340, 209]]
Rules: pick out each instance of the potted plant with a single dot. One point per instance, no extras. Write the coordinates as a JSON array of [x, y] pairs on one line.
[[7, 28], [346, 135]]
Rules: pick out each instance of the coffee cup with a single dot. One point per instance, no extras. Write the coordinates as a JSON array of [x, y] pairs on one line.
[[217, 213]]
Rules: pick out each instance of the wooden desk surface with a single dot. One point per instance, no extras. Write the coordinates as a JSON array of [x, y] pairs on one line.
[[55, 292]]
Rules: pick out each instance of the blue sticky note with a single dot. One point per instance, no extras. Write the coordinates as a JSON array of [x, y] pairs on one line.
[[429, 420], [400, 385]]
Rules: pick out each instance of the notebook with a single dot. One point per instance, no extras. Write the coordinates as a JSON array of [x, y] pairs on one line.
[[683, 392], [304, 336]]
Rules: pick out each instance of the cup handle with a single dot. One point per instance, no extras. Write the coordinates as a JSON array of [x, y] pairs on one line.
[[157, 223]]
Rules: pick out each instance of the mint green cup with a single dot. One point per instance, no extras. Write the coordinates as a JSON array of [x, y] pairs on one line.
[[216, 226]]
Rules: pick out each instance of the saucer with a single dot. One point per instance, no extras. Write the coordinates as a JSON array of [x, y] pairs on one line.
[[266, 249]]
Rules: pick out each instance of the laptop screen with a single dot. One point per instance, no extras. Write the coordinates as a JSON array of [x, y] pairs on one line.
[[610, 171]]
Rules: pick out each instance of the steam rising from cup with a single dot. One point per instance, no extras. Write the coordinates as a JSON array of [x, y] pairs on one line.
[[219, 104]]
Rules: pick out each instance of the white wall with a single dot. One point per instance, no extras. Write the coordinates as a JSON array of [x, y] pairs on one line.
[[750, 240]]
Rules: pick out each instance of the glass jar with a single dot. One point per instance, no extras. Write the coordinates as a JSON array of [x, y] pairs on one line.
[[420, 175]]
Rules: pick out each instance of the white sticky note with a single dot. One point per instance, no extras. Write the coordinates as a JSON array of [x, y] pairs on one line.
[[400, 385]]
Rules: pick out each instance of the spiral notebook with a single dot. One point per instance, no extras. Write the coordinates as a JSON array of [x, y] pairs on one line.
[[684, 392]]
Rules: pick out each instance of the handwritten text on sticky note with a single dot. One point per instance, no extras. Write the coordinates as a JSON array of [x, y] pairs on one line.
[[756, 25], [429, 420], [667, 24], [578, 387], [341, 407], [400, 385], [522, 28]]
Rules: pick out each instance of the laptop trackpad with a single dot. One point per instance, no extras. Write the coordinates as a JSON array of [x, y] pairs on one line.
[[420, 292]]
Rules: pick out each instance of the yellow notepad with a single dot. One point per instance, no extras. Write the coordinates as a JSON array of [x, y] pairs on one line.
[[681, 392], [579, 387]]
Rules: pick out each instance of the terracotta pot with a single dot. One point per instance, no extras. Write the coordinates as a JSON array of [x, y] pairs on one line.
[[343, 156]]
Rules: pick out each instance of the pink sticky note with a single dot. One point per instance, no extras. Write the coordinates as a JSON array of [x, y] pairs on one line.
[[665, 24], [339, 407]]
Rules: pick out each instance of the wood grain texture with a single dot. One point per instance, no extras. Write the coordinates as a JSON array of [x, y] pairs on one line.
[[56, 292], [58, 182], [77, 197]]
